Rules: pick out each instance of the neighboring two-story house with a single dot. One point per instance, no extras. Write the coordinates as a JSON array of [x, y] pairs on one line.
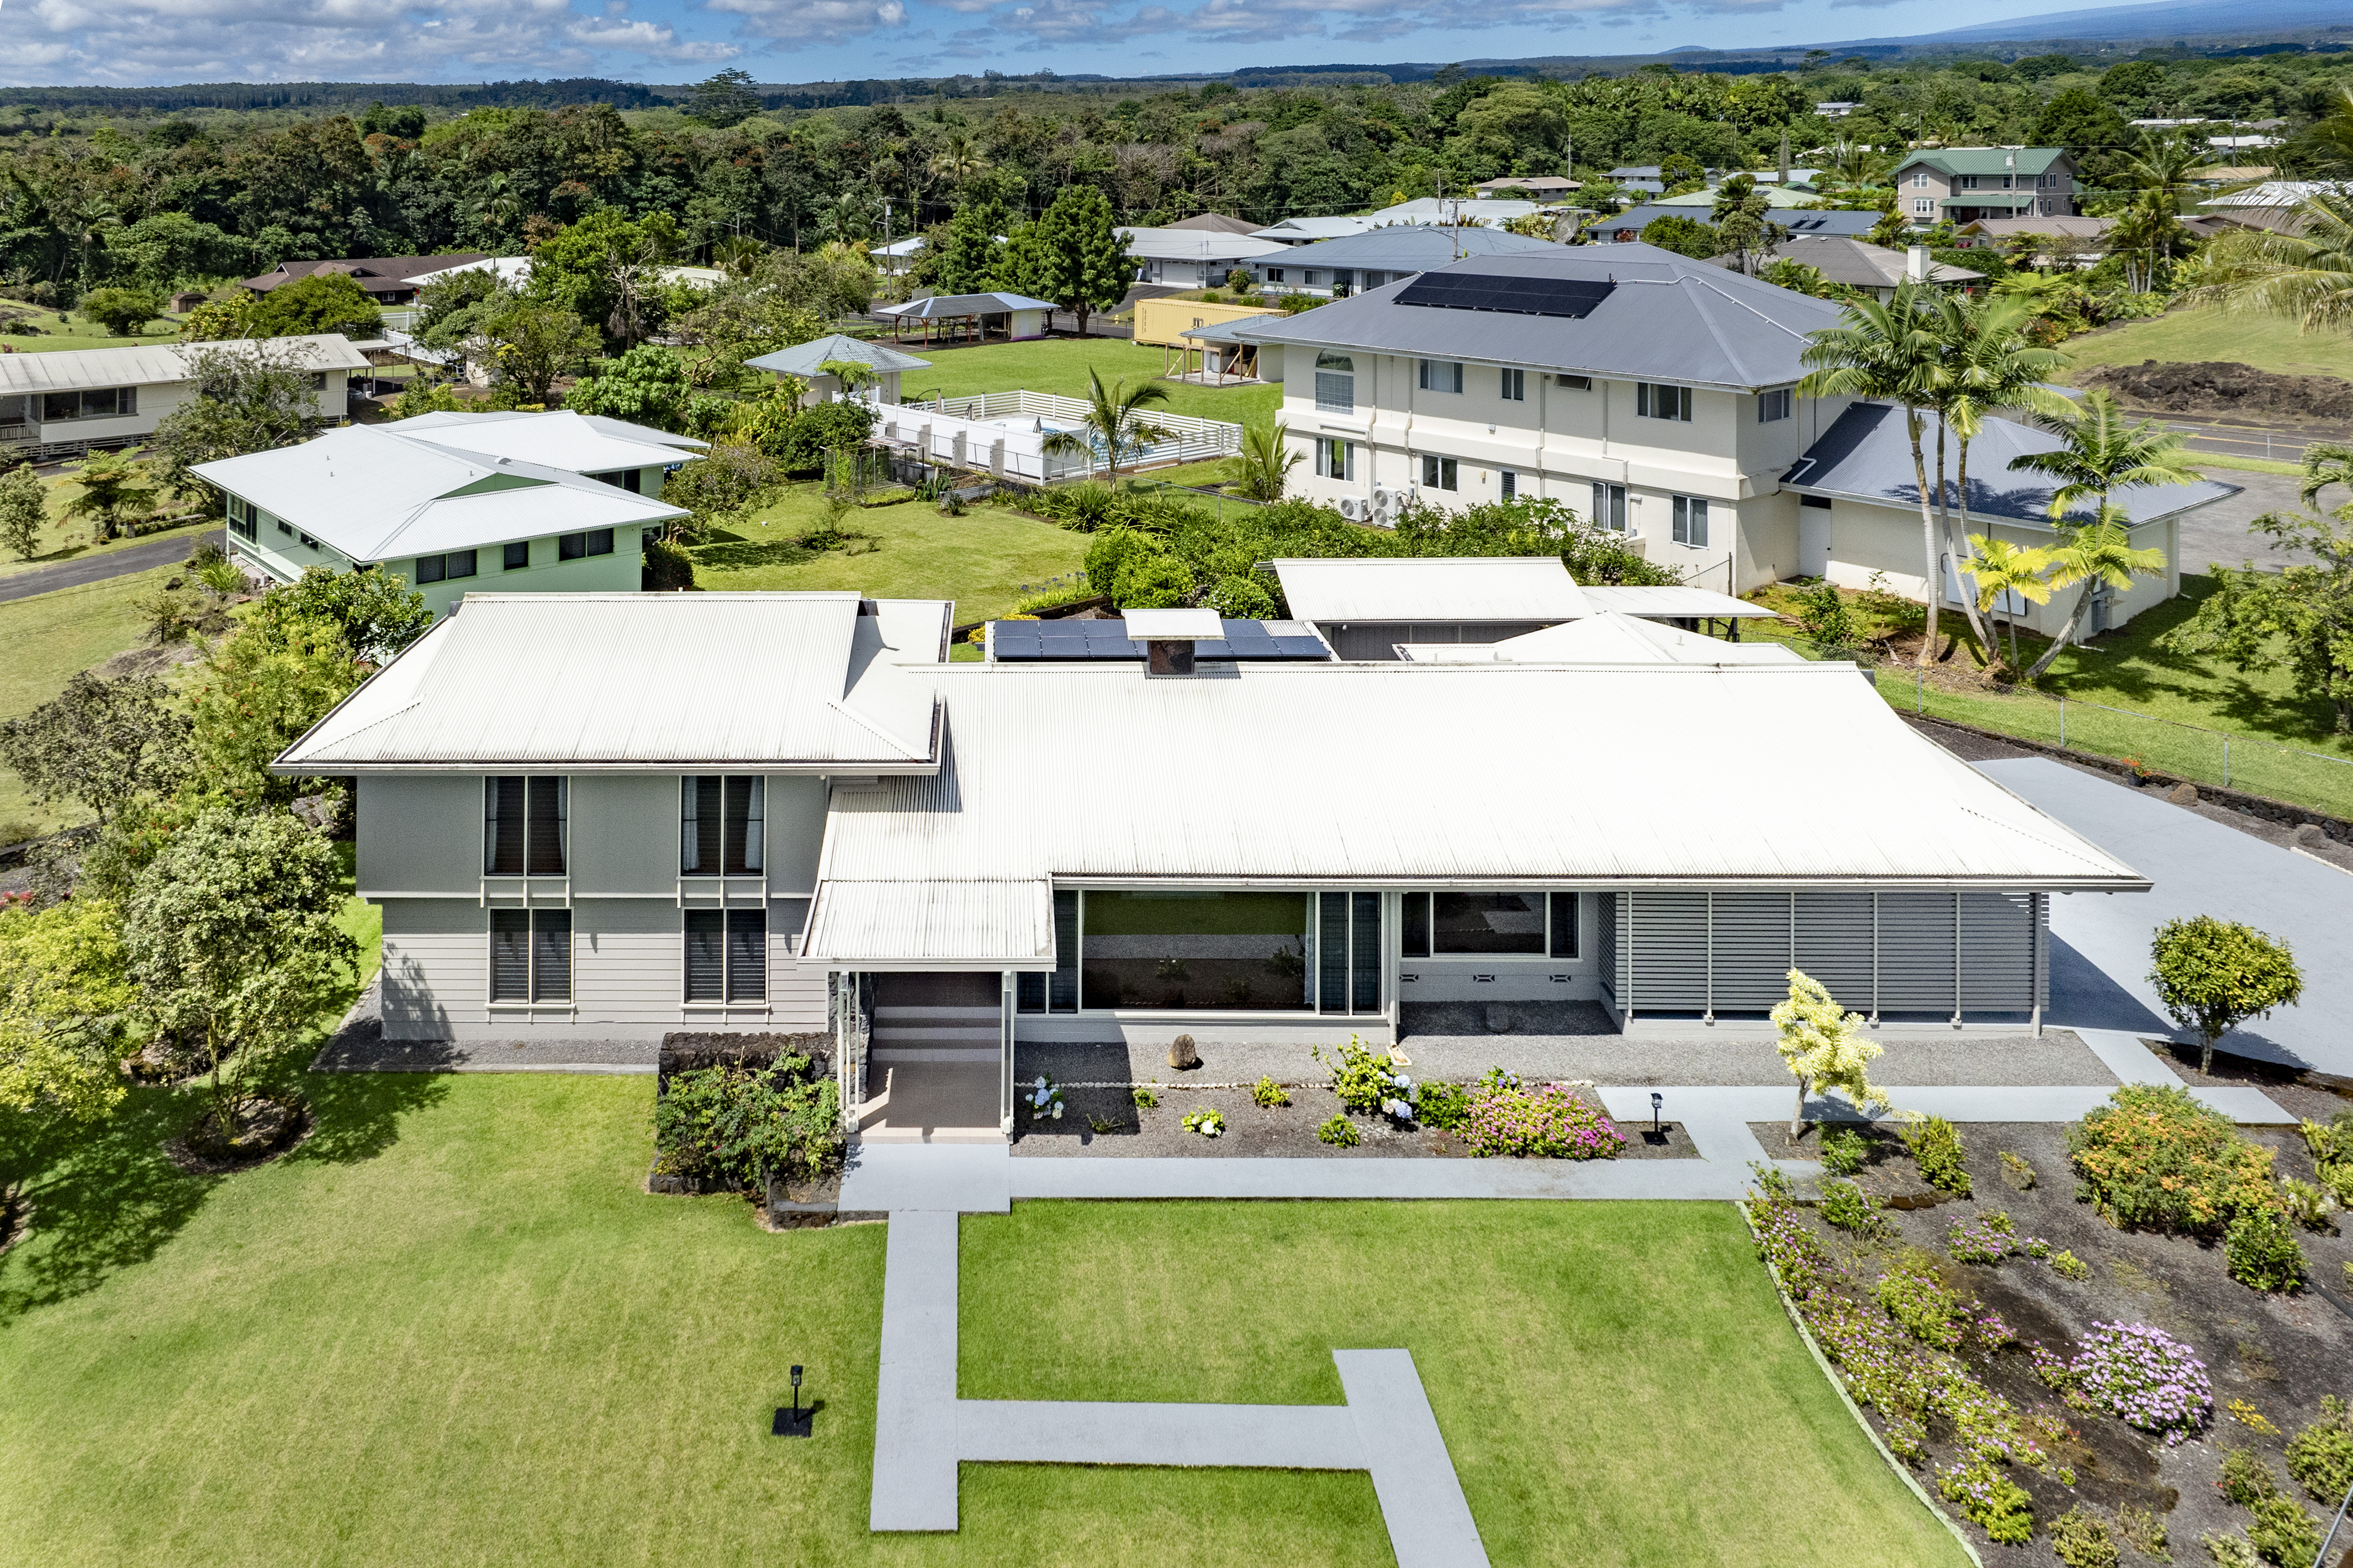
[[1651, 393], [1965, 185], [454, 503]]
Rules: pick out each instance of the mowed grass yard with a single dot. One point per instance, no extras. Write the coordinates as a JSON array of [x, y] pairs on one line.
[[1059, 365], [43, 639], [2198, 336], [450, 1329]]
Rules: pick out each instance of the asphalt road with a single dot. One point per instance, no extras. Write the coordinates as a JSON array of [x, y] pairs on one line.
[[2220, 531], [168, 549]]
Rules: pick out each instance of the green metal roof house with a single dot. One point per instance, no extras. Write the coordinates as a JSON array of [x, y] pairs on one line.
[[1965, 185]]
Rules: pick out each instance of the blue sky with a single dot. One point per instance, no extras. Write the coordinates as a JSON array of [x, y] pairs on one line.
[[138, 42]]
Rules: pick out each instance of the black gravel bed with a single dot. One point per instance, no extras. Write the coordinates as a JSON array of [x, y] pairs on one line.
[[2278, 1353], [1253, 1131]]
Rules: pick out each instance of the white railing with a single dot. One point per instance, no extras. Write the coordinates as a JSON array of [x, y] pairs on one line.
[[975, 418]]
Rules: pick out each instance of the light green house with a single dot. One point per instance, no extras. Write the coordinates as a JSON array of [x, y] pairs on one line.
[[457, 503]]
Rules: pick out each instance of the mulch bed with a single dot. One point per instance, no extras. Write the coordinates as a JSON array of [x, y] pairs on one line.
[[2278, 1353], [1282, 1132], [265, 1129]]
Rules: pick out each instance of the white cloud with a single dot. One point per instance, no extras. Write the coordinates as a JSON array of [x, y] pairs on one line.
[[136, 41], [814, 21]]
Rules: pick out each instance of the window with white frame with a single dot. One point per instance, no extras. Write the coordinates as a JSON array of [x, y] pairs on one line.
[[1774, 404], [1438, 473], [1920, 181], [1274, 274], [1657, 400], [531, 955], [526, 825], [1336, 383], [1442, 376], [1924, 205], [574, 546], [1515, 386], [721, 825], [243, 520], [1691, 520], [1609, 506], [1574, 382], [1334, 459], [726, 955]]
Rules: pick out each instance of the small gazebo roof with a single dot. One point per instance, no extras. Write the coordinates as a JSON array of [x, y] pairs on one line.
[[805, 359], [944, 307]]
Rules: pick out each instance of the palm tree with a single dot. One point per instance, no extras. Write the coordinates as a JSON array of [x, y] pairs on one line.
[[1991, 365], [1890, 350], [1114, 415], [1264, 467], [2094, 553], [2306, 276], [2101, 452], [1998, 567]]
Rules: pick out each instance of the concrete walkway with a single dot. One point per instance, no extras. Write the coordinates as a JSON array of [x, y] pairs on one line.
[[922, 1431], [2099, 941]]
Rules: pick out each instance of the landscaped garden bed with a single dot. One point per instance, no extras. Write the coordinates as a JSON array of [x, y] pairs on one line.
[[2033, 1360], [758, 1114]]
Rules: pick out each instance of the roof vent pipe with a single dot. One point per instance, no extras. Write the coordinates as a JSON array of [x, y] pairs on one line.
[[1915, 263], [1169, 636]]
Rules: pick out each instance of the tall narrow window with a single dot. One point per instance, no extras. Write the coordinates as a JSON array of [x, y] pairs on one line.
[[706, 955], [1336, 383], [526, 827], [1364, 954], [1609, 506], [1332, 955], [1507, 484], [1515, 386], [1691, 520], [531, 955], [1334, 459], [747, 956], [1413, 939], [1564, 925], [1058, 991], [721, 825]]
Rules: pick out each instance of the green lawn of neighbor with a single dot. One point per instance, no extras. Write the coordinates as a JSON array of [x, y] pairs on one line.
[[63, 540], [2195, 336], [75, 331], [451, 1329], [1059, 365], [1615, 1382], [987, 560], [43, 639]]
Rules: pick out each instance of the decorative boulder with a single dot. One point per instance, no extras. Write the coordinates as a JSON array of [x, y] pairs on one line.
[[2184, 793], [1182, 1054], [1499, 1019]]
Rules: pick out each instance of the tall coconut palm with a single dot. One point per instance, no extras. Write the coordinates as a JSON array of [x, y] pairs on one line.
[[2305, 276], [1114, 415], [1998, 567], [1890, 350], [2094, 553], [2101, 450], [1991, 365]]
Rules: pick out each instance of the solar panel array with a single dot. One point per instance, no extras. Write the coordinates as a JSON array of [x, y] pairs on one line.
[[1514, 295], [1026, 641]]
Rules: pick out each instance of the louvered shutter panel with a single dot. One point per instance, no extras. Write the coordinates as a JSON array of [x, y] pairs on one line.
[[705, 957], [1834, 946], [510, 955], [747, 956], [1997, 952], [551, 955], [1669, 938], [1916, 953]]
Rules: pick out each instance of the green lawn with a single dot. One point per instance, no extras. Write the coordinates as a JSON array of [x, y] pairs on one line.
[[2195, 336], [451, 1330], [62, 541], [1059, 365], [986, 561], [43, 639], [72, 331]]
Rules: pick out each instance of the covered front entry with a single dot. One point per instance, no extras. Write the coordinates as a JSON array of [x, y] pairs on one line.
[[935, 1060]]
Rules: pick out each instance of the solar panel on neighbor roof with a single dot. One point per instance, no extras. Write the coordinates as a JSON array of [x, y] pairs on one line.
[[1515, 296], [1018, 641]]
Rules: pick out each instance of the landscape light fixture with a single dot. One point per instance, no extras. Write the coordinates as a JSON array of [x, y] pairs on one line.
[[795, 1422], [1657, 1134]]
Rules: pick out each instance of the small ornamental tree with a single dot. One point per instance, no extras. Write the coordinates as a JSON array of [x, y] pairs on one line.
[[62, 994], [377, 612], [261, 689], [1824, 1047], [2214, 975], [24, 501], [231, 937], [322, 302], [98, 742], [243, 397], [123, 312]]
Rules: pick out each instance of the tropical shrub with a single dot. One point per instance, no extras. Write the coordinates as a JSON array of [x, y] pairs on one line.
[[2306, 1204], [742, 1126], [2155, 1158], [1846, 1206], [1991, 1500], [1340, 1132], [2143, 1529], [2320, 1456], [1845, 1152], [2146, 1378], [1267, 1094], [2281, 1533], [1445, 1106], [1913, 1297], [1207, 1123], [2262, 1252], [1367, 1083], [1936, 1148], [2081, 1540]]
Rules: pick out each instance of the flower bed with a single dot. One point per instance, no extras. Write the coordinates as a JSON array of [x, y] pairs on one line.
[[1551, 1121], [2146, 1378]]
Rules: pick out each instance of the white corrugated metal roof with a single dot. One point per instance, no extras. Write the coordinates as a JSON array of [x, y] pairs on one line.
[[804, 359], [378, 492], [778, 682], [155, 365], [1675, 601], [1492, 775], [1605, 638], [873, 924], [1431, 588], [559, 439]]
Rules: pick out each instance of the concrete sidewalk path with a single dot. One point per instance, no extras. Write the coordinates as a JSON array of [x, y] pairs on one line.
[[895, 1178], [914, 1398], [1696, 1105]]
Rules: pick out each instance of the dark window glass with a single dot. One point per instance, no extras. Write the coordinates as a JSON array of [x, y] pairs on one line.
[[459, 562], [613, 479], [1364, 954], [1212, 952], [1030, 994], [551, 955], [1488, 922], [502, 827], [1062, 992], [571, 546], [103, 404], [1415, 942], [634, 481], [510, 955], [706, 964], [547, 826], [1332, 954], [1564, 925], [61, 406], [745, 811], [600, 541], [525, 826], [721, 825], [518, 555], [747, 956], [700, 819], [431, 568]]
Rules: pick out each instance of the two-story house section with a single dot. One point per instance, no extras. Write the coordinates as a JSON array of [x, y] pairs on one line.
[[1651, 393], [1969, 184], [457, 503], [601, 814]]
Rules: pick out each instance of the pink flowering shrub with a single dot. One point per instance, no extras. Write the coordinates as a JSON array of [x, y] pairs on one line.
[[1551, 1121], [2144, 1377]]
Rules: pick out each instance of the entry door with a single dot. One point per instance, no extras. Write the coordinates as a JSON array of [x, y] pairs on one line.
[[1813, 541], [1348, 953]]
